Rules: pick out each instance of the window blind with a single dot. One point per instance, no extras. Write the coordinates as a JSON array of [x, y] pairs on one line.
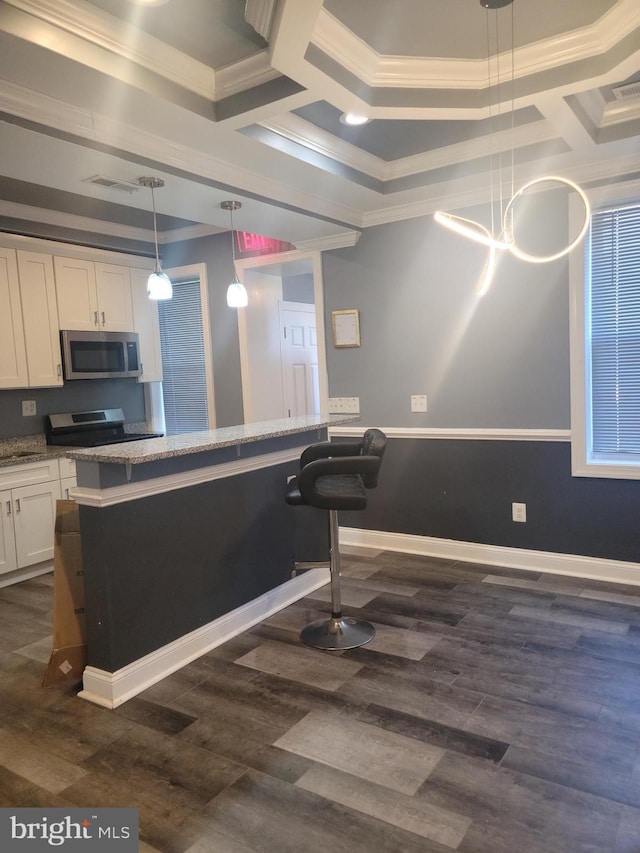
[[615, 330], [184, 386]]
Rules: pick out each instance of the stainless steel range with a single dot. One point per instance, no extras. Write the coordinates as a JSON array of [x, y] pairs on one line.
[[91, 429]]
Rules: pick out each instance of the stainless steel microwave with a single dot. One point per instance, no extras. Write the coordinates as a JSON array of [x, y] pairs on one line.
[[100, 355]]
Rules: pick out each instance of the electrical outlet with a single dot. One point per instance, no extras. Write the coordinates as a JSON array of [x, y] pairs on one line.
[[28, 408], [418, 402], [519, 512]]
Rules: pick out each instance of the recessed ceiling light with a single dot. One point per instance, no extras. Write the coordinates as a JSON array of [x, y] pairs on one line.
[[353, 119]]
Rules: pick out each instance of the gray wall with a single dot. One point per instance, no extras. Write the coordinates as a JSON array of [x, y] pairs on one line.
[[501, 360], [76, 396], [298, 288], [215, 252]]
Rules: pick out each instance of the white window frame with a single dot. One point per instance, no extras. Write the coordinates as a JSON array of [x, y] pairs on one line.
[[583, 463], [154, 395]]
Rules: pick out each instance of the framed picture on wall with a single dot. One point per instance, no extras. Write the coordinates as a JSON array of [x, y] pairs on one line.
[[346, 328]]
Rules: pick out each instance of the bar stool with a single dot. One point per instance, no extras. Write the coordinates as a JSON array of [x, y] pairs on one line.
[[335, 476]]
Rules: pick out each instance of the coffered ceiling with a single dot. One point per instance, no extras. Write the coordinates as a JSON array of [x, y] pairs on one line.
[[224, 99]]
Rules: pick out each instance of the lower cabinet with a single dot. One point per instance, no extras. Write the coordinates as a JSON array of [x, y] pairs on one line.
[[28, 495], [66, 484]]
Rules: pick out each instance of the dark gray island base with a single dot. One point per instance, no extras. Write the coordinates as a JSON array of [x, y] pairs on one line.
[[184, 548]]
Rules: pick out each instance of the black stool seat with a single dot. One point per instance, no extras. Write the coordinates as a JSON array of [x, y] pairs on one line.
[[336, 476]]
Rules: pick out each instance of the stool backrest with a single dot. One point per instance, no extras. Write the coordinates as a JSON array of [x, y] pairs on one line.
[[374, 443]]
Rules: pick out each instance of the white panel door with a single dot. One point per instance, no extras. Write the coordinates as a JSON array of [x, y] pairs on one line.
[[300, 359], [8, 561], [13, 355], [76, 293], [34, 516], [40, 318], [113, 286]]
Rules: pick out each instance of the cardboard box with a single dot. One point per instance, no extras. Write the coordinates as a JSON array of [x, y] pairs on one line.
[[69, 656]]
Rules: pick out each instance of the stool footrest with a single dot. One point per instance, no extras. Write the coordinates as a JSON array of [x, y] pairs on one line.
[[342, 633]]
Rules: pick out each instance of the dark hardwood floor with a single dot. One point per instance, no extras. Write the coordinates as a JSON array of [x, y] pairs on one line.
[[496, 711]]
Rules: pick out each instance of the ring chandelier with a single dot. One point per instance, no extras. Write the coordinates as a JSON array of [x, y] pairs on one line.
[[506, 241]]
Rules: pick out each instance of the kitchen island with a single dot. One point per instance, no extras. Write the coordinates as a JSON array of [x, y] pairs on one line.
[[187, 541]]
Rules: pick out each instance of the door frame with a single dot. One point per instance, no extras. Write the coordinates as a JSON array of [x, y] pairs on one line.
[[282, 259]]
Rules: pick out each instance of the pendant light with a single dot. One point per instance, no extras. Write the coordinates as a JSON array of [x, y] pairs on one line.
[[505, 240], [236, 292], [159, 284]]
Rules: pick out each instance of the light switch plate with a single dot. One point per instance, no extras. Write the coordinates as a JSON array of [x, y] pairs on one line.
[[344, 405]]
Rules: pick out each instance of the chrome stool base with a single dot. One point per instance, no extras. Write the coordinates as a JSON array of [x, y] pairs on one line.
[[342, 633]]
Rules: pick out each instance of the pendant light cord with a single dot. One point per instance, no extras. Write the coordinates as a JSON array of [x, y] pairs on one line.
[[233, 242], [155, 229]]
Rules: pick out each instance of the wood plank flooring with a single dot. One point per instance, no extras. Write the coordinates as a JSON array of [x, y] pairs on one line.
[[496, 711]]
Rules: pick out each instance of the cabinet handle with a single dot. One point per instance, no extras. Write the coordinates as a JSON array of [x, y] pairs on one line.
[[95, 318], [59, 370], [17, 504], [66, 491], [103, 319], [141, 368], [8, 507]]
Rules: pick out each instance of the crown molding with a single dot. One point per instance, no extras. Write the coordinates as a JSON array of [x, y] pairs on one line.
[[377, 70], [13, 210], [45, 21], [85, 24], [259, 14], [620, 112], [584, 172], [302, 132], [75, 250], [245, 74], [333, 241], [42, 109]]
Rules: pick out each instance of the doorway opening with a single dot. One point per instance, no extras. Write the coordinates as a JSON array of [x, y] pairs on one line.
[[282, 340]]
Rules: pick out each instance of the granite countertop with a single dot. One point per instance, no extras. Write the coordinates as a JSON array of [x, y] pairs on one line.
[[153, 449], [30, 448]]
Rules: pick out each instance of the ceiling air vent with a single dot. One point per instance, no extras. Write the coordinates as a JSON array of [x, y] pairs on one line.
[[630, 90], [112, 183]]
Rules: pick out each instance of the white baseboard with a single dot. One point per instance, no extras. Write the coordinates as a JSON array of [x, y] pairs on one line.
[[110, 689], [575, 565], [25, 574]]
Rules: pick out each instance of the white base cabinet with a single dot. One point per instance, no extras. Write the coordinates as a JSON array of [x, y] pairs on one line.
[[28, 506]]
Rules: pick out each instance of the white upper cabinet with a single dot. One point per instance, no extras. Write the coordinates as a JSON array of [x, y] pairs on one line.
[[76, 291], [145, 316], [13, 355], [93, 296], [40, 319], [113, 286]]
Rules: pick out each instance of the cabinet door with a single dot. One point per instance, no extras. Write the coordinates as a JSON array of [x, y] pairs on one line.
[[76, 293], [145, 318], [66, 484], [13, 355], [113, 284], [34, 517], [8, 562], [40, 318]]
